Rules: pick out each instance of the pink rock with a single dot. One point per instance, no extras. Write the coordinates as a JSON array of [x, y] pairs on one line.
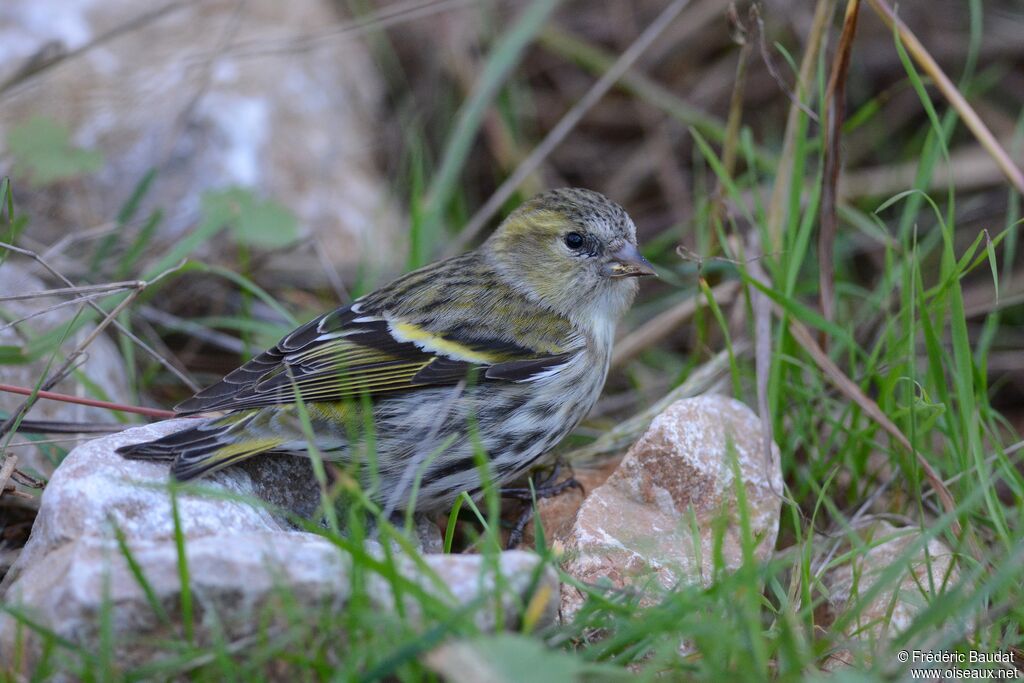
[[638, 524]]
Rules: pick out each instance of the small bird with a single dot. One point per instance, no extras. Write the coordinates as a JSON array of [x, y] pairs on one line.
[[502, 350]]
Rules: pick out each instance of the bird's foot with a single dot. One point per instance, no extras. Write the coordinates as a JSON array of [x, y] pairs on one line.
[[545, 488]]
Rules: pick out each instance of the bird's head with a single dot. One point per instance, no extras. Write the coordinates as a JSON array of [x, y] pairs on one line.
[[572, 250]]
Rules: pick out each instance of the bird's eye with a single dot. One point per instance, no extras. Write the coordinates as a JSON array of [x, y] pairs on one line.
[[574, 240]]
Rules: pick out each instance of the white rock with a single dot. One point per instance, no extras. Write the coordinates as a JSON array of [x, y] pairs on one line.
[[209, 97], [102, 369], [240, 556], [235, 580], [637, 525], [95, 489]]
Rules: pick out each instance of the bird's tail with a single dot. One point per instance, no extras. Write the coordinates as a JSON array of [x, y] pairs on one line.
[[205, 448]]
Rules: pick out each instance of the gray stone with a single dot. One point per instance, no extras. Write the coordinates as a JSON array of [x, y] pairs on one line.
[[654, 518], [236, 580], [240, 556], [95, 490]]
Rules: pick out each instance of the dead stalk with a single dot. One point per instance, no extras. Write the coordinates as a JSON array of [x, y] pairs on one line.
[[835, 112], [566, 124], [783, 180], [951, 93]]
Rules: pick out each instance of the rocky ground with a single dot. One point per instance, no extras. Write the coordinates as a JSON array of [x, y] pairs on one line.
[[667, 513]]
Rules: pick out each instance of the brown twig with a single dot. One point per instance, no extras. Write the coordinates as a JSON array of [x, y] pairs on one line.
[[566, 124], [19, 477], [951, 93], [67, 365], [730, 146], [769, 63], [92, 402], [835, 113]]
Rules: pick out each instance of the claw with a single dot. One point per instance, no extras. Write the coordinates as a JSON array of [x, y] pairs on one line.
[[544, 489]]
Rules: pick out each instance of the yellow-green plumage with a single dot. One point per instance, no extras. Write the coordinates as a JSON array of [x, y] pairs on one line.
[[505, 348]]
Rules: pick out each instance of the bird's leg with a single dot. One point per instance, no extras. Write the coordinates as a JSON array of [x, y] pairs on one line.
[[546, 488]]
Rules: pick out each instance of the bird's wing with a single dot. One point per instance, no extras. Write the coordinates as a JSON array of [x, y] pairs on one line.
[[352, 352]]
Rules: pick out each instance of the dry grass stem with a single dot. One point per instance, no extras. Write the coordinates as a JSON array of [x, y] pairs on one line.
[[835, 111], [46, 59], [779, 202], [50, 309], [195, 330], [595, 59], [951, 93], [969, 168], [761, 305], [7, 470], [386, 17], [67, 427], [565, 125], [85, 289], [730, 145]]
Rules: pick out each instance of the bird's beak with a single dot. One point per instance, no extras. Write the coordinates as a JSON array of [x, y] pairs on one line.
[[627, 262]]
